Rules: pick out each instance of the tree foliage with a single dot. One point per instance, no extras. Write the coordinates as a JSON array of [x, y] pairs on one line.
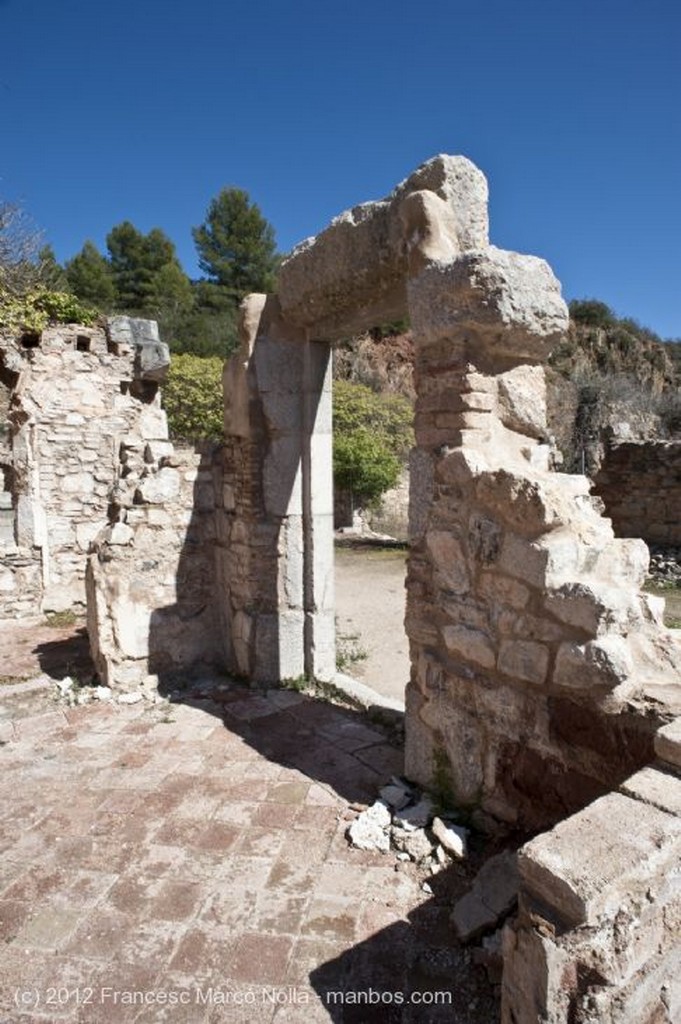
[[372, 434], [236, 245], [136, 262], [364, 465], [192, 397], [591, 313], [90, 278], [20, 245]]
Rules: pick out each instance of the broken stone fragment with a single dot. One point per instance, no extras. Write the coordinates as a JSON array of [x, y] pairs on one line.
[[369, 831], [418, 816], [416, 843], [454, 838], [130, 698], [159, 488], [396, 794], [493, 896]]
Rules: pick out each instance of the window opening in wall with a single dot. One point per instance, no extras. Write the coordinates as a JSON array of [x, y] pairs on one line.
[[125, 387], [83, 343], [30, 339]]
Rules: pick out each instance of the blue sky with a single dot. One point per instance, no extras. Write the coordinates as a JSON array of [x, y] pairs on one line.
[[144, 110]]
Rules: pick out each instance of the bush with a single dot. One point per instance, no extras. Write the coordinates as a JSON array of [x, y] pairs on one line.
[[372, 434], [591, 313], [39, 307], [192, 397], [364, 465]]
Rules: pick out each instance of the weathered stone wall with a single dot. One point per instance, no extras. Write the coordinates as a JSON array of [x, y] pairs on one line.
[[151, 574], [539, 670], [72, 401], [640, 484], [597, 933]]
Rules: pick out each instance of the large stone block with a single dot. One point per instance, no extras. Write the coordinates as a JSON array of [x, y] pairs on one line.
[[588, 865], [352, 276], [505, 309]]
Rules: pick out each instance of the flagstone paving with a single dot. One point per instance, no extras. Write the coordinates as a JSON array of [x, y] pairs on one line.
[[188, 862]]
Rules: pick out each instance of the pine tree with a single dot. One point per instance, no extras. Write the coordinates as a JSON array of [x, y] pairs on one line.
[[90, 278], [236, 245], [136, 259], [52, 274]]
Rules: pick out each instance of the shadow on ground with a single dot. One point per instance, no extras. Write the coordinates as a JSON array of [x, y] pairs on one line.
[[336, 746], [66, 655], [410, 969]]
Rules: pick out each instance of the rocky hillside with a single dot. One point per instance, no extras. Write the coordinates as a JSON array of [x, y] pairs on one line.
[[610, 376]]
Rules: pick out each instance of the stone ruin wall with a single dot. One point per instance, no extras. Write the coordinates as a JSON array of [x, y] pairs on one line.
[[544, 690], [640, 484], [93, 477], [544, 686], [69, 402]]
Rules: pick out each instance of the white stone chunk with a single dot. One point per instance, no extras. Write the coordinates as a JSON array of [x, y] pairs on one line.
[[454, 838]]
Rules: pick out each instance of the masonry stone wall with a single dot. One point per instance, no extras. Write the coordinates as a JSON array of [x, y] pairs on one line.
[[596, 938], [71, 400], [640, 484], [151, 571], [542, 678]]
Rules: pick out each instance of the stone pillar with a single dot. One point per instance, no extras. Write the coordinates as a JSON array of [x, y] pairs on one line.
[[276, 535], [320, 622], [532, 648]]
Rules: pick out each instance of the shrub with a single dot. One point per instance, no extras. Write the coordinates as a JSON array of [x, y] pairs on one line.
[[192, 397], [34, 310], [372, 433], [364, 465]]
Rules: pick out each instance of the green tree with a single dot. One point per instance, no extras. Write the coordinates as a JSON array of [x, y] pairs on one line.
[[364, 465], [90, 278], [210, 329], [236, 245], [171, 301], [52, 274], [192, 397], [371, 436], [136, 261]]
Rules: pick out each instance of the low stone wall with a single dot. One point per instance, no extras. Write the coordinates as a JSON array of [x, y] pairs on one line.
[[640, 484], [21, 583], [152, 611], [597, 935]]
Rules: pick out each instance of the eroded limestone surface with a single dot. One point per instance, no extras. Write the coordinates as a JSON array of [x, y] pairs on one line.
[[74, 392]]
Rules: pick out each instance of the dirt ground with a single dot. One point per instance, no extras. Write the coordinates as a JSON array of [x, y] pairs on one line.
[[370, 602]]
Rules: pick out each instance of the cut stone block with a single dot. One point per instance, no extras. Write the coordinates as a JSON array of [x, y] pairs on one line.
[[588, 865], [668, 743]]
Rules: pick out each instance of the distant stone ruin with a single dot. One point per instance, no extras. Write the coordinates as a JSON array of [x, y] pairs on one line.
[[545, 691], [640, 484]]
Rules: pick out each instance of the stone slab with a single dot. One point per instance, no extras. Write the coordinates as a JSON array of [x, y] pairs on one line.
[[588, 865]]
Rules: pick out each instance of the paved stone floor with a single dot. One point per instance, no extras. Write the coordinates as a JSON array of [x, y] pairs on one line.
[[188, 862]]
